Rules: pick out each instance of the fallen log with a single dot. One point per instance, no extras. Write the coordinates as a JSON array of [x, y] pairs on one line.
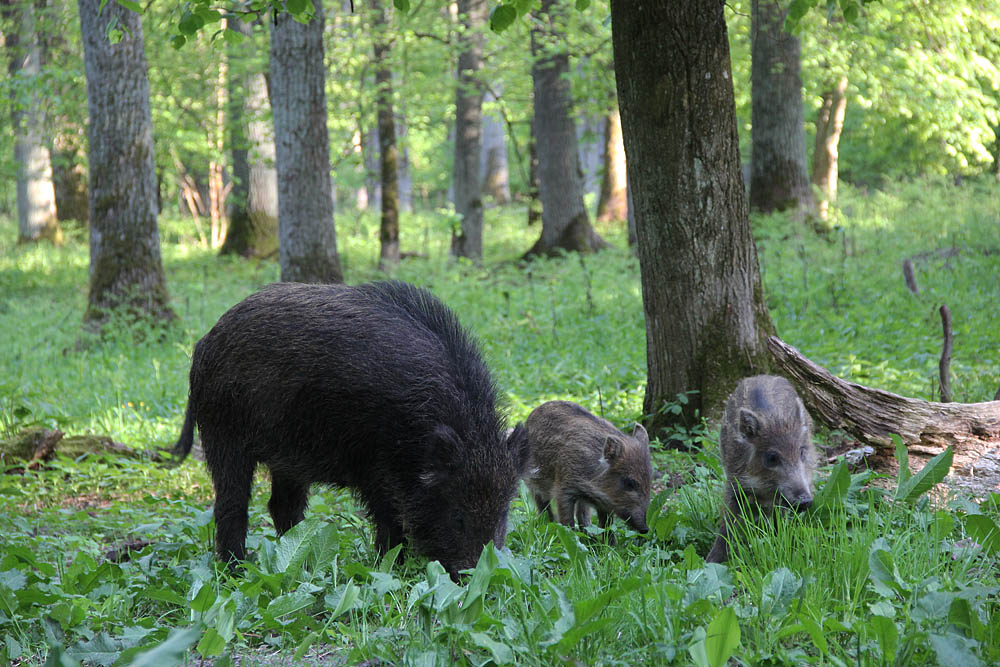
[[872, 415]]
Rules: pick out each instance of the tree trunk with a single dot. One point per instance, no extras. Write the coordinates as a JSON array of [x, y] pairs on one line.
[[467, 241], [873, 415], [307, 239], [706, 318], [405, 177], [534, 201], [126, 269], [36, 199], [779, 177], [494, 165], [829, 125], [565, 224], [253, 210], [613, 202], [388, 154], [69, 178]]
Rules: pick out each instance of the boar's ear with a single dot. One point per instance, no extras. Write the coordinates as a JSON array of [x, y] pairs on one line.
[[517, 442], [639, 433], [749, 423], [444, 453], [613, 448]]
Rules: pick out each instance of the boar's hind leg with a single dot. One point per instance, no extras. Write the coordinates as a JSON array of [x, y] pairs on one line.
[[288, 502], [232, 481], [387, 535], [544, 504]]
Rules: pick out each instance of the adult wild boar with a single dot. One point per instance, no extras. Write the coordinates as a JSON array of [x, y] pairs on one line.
[[767, 453], [583, 461], [376, 388]]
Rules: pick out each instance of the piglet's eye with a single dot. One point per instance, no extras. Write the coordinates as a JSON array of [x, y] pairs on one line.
[[630, 484], [772, 459]]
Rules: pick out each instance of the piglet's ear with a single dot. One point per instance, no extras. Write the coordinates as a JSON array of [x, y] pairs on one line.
[[518, 443], [639, 433], [749, 423], [613, 448]]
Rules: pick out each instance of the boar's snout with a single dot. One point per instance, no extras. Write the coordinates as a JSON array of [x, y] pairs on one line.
[[804, 502], [638, 522]]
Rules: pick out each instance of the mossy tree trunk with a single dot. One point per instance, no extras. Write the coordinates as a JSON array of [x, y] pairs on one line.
[[387, 149], [706, 318], [36, 199], [126, 269], [565, 223], [467, 240], [253, 211], [307, 238], [779, 173]]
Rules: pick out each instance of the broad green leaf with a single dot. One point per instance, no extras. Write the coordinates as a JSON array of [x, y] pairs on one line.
[[346, 601], [295, 7], [952, 649], [289, 603], [402, 5], [13, 580], [211, 644], [170, 651], [780, 587], [582, 5], [722, 637], [833, 492], [885, 631], [204, 598], [502, 653], [481, 576], [696, 649], [944, 524], [131, 6], [883, 572], [304, 645], [932, 473], [502, 17], [101, 650], [815, 632], [983, 530], [902, 459]]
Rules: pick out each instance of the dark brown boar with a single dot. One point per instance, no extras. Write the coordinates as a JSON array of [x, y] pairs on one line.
[[376, 388], [583, 461], [767, 453]]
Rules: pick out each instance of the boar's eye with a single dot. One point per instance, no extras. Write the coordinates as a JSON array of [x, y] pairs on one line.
[[772, 460], [802, 451], [630, 484]]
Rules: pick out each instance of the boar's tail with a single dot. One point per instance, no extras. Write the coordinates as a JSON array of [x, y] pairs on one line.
[[183, 446]]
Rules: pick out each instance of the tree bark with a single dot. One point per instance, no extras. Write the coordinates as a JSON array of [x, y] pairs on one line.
[[36, 199], [307, 238], [706, 317], [253, 209], [779, 178], [388, 153], [873, 415], [534, 201], [126, 269], [829, 125], [467, 241], [613, 202], [494, 164], [565, 224]]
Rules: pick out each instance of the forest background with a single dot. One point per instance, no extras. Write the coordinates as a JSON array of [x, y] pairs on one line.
[[108, 561]]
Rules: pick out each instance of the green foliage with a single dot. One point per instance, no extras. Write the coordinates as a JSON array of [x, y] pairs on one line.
[[109, 561]]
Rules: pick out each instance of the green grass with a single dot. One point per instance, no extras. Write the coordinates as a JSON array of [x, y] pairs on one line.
[[864, 579]]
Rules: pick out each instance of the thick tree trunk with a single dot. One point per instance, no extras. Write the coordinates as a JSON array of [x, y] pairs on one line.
[[126, 269], [706, 317], [494, 164], [565, 223], [873, 415], [613, 202], [467, 241], [307, 239], [69, 179], [388, 154], [534, 201], [829, 125], [779, 177], [253, 209], [36, 199]]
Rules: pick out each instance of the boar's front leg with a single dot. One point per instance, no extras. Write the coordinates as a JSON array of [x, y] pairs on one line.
[[288, 502], [566, 505]]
